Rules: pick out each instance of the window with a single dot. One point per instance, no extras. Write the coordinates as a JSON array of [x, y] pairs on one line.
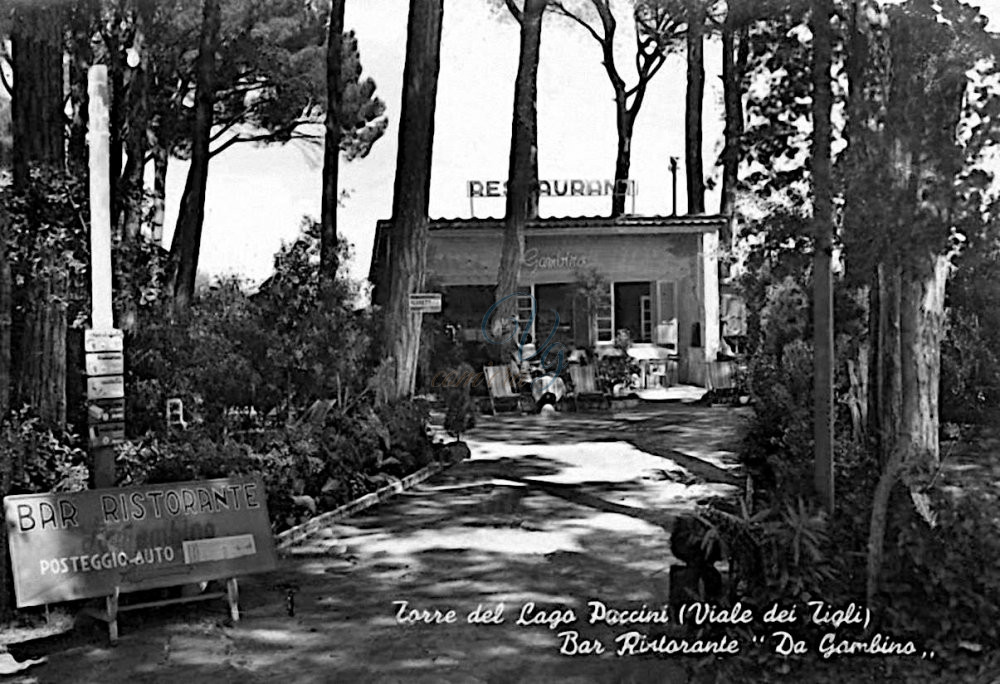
[[666, 314], [555, 313], [632, 309], [645, 318], [605, 319]]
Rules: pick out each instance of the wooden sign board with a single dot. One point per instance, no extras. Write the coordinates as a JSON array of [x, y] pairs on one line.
[[105, 363], [66, 546], [107, 387], [107, 434], [110, 339], [106, 411], [426, 302]]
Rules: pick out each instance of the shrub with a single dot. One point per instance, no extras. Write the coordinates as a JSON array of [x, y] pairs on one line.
[[278, 349], [41, 460], [942, 583], [970, 372], [305, 468], [296, 347]]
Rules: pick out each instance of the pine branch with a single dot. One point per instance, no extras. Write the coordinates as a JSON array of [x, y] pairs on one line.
[[559, 8]]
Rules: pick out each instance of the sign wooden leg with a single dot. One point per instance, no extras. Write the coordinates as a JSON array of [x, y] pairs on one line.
[[233, 592], [111, 603], [104, 466]]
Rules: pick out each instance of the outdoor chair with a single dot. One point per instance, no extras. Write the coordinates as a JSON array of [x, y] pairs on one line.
[[721, 375], [585, 386], [501, 394]]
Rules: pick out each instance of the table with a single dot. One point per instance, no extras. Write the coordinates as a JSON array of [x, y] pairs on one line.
[[654, 362]]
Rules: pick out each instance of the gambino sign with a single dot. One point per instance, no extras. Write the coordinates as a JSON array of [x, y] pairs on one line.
[[555, 188]]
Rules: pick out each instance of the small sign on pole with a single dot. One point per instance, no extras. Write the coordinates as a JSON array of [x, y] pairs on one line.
[[425, 302], [106, 411], [105, 363], [108, 387], [106, 434], [103, 340]]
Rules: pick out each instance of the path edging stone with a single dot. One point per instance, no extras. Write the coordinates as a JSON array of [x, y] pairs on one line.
[[299, 533]]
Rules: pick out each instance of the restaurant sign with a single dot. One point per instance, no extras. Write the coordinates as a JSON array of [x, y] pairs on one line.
[[534, 260], [556, 188], [74, 545]]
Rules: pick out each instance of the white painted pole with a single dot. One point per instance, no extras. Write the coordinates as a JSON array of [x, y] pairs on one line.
[[102, 318], [100, 199]]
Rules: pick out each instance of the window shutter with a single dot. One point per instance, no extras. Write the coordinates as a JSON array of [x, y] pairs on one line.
[[666, 313]]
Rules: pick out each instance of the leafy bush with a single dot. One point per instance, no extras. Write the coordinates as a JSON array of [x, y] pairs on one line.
[[296, 349], [797, 557], [205, 361], [970, 371], [305, 468], [41, 460], [278, 349], [780, 553], [942, 583]]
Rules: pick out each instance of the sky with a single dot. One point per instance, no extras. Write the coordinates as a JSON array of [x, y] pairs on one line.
[[258, 196]]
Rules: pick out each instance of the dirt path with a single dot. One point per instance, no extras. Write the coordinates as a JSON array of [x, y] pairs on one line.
[[549, 512]]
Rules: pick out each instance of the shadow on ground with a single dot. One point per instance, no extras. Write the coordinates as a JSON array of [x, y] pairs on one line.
[[550, 513]]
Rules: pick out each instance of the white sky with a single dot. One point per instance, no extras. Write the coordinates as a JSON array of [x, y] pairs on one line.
[[256, 196]]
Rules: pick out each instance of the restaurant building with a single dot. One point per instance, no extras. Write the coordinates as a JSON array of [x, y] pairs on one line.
[[656, 277]]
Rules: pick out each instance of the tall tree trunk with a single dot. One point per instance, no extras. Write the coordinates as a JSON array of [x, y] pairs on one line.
[[331, 151], [623, 153], [411, 191], [522, 172], [923, 96], [922, 320], [732, 77], [921, 309], [37, 98], [855, 215], [822, 275], [39, 141], [191, 217], [43, 351], [6, 306], [161, 157], [131, 187], [6, 457], [694, 97], [889, 362], [647, 63]]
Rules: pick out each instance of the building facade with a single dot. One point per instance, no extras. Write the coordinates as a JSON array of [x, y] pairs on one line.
[[589, 279]]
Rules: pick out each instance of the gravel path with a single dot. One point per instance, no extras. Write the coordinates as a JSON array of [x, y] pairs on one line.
[[549, 514]]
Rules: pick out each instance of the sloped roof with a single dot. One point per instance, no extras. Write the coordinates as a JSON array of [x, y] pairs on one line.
[[701, 221]]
